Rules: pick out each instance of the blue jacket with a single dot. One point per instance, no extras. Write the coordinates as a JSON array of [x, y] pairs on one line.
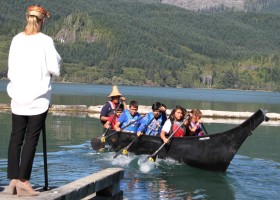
[[126, 118], [150, 125]]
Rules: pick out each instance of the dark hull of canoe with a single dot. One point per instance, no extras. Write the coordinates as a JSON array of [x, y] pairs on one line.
[[211, 152]]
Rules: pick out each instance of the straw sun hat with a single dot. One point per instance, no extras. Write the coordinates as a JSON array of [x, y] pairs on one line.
[[115, 92], [37, 11]]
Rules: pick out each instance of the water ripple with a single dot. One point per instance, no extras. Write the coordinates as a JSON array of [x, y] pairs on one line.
[[256, 175]]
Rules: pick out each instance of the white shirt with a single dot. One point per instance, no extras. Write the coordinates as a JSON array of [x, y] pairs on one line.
[[32, 61], [167, 126]]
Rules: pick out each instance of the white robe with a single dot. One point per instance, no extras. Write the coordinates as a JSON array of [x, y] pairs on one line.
[[32, 61]]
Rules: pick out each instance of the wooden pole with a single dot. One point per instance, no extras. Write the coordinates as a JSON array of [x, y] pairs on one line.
[[45, 157]]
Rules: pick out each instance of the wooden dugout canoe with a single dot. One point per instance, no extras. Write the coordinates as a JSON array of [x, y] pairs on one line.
[[211, 152]]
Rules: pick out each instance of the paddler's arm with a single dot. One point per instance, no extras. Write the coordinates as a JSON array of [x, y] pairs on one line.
[[117, 126], [107, 124], [165, 129], [104, 111], [162, 135], [123, 99]]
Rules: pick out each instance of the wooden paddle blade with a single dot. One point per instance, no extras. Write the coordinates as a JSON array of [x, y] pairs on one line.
[[103, 139], [125, 152], [117, 154], [97, 144], [122, 151], [150, 158]]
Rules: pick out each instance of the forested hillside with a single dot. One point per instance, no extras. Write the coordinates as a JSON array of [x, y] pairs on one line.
[[141, 42], [223, 5]]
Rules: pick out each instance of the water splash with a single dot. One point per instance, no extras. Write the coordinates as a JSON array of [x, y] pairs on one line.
[[123, 160]]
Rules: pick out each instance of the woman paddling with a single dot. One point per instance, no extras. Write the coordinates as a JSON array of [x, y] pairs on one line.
[[174, 123]]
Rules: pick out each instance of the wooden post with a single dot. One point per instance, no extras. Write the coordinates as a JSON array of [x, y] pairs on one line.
[[45, 157]]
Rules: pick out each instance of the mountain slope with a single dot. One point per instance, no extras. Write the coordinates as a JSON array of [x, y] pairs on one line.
[[206, 4], [148, 43], [221, 5]]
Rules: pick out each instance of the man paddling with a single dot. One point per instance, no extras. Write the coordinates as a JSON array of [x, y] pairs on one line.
[[129, 117], [152, 123], [110, 106]]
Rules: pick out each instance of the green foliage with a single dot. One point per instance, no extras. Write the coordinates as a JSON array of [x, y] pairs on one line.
[[261, 5], [138, 42], [4, 48]]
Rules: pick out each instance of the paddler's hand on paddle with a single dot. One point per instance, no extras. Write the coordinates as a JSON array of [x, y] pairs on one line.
[[165, 140], [139, 134], [107, 125], [162, 109], [162, 136], [117, 127], [122, 99], [186, 123]]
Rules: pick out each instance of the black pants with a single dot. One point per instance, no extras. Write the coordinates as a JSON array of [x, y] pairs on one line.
[[24, 139]]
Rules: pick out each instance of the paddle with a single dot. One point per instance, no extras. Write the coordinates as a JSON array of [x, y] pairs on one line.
[[152, 157], [124, 150], [204, 128], [98, 143]]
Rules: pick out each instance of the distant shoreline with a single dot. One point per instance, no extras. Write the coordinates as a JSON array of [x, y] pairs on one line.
[[94, 111], [197, 88]]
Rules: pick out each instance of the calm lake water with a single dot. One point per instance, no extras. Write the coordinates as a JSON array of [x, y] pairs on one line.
[[253, 174]]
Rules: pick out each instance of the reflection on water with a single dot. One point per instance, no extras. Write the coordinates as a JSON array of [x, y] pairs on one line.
[[254, 178], [70, 157], [168, 179]]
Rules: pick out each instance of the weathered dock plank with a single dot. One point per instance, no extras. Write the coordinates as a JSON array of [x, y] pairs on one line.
[[104, 184]]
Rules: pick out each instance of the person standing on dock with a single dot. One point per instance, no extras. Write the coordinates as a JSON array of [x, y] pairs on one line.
[[110, 106], [32, 61]]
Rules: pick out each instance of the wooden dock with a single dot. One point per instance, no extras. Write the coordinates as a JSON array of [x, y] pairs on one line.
[[103, 185]]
